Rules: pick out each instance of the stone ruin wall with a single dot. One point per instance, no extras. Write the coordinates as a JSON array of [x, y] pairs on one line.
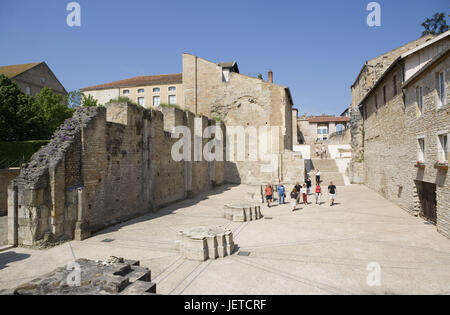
[[104, 166]]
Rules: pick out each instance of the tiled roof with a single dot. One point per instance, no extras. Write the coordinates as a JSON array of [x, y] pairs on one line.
[[324, 119], [140, 81], [15, 70]]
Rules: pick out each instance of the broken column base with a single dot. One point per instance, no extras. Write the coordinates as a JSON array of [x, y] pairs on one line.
[[81, 231], [88, 277], [242, 212], [205, 243]]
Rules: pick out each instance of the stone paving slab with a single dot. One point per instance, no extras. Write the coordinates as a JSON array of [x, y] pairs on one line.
[[314, 250]]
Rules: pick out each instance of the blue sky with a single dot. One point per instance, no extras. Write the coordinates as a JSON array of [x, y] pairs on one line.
[[315, 47]]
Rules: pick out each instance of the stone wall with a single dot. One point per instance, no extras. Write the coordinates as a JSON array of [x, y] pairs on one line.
[[432, 122], [104, 166], [242, 101], [385, 144], [6, 176], [356, 167], [373, 69], [390, 148]]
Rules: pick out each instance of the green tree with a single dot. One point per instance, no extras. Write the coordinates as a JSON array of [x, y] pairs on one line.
[[16, 112], [435, 25], [51, 110]]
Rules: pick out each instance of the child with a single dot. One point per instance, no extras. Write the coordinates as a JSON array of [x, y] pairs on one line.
[[294, 196]]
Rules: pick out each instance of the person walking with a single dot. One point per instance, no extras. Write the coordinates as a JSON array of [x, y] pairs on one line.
[[318, 177], [298, 187], [332, 191], [308, 185], [294, 197], [269, 194], [304, 195], [318, 194], [281, 194]]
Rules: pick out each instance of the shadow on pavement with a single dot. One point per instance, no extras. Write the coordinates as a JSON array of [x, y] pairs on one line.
[[9, 257]]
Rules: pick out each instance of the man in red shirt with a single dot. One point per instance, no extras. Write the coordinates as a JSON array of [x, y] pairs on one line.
[[269, 194]]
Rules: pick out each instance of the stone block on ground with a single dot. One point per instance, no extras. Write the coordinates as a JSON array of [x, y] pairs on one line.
[[205, 243]]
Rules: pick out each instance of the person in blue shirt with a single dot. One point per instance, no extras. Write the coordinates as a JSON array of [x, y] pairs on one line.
[[281, 194]]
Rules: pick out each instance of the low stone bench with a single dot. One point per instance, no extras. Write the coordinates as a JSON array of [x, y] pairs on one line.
[[205, 243], [242, 212]]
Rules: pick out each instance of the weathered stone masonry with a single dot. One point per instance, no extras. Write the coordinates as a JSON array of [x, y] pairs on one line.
[[104, 166]]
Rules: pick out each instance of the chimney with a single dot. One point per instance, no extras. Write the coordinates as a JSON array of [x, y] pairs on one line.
[[270, 76]]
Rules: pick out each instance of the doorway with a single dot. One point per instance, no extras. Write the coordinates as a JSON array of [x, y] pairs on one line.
[[427, 196]]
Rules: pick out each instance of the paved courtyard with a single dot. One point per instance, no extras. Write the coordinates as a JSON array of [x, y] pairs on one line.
[[315, 250]]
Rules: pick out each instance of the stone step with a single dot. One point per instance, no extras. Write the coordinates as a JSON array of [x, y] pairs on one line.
[[324, 165], [139, 274], [336, 177], [140, 288]]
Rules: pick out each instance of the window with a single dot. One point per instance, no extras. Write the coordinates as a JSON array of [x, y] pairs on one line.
[[43, 80], [156, 90], [322, 130], [421, 152], [384, 95], [441, 89], [394, 82], [443, 148], [140, 91], [156, 101], [125, 92], [28, 90], [141, 101], [172, 99], [172, 88], [419, 97]]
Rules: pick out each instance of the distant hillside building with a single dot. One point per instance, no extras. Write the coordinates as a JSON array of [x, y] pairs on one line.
[[314, 129], [32, 77]]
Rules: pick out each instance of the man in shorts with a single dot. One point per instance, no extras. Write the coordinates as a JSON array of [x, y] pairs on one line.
[[332, 191]]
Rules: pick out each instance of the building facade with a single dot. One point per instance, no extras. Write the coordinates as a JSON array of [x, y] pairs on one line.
[[147, 91], [317, 129], [33, 77], [404, 123]]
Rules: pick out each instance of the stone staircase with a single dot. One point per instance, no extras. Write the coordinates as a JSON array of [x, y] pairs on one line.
[[329, 171]]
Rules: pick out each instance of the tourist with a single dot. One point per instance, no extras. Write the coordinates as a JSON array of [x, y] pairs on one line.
[[298, 187], [332, 192], [318, 194], [317, 152], [308, 185], [294, 196], [269, 194], [281, 194], [305, 196], [318, 177], [325, 153]]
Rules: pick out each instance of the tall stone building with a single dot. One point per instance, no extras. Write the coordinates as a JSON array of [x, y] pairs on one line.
[[218, 90], [400, 129], [33, 77]]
